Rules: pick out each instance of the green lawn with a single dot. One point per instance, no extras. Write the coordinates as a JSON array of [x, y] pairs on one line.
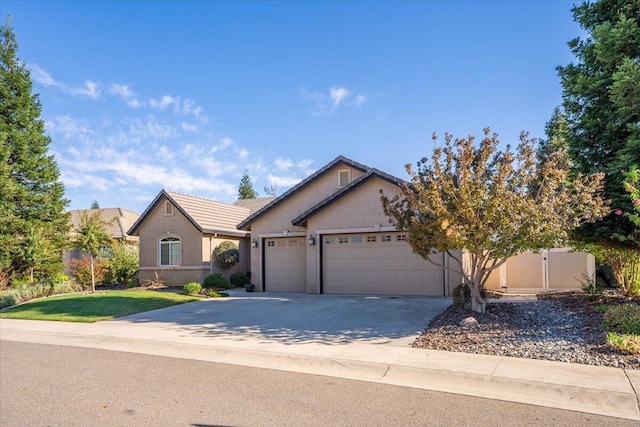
[[103, 305]]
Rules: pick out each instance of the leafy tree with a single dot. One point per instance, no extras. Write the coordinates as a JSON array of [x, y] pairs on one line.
[[491, 205], [271, 191], [245, 190], [32, 203], [227, 255], [95, 205], [602, 103], [90, 235]]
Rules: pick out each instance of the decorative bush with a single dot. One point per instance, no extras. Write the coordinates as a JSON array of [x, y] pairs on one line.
[[591, 288], [81, 271], [622, 319], [192, 288], [239, 279], [227, 255], [122, 261], [21, 293], [215, 281], [625, 343]]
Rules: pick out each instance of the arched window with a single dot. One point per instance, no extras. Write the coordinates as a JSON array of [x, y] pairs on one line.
[[170, 251]]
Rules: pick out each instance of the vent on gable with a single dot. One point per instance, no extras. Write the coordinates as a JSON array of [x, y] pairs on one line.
[[344, 178], [168, 208]]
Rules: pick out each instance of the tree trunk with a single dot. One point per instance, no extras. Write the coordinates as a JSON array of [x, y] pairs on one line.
[[93, 277], [478, 303], [31, 276]]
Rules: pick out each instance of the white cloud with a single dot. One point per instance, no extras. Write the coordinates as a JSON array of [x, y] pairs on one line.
[[360, 99], [150, 128], [68, 127], [90, 89], [124, 92], [283, 181], [164, 102], [337, 97], [241, 153], [283, 164], [189, 127], [338, 94]]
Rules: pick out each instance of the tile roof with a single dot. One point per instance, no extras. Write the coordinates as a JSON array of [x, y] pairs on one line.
[[254, 205], [244, 225], [208, 216], [118, 220]]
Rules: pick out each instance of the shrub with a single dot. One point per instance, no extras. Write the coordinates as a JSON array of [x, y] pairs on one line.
[[622, 319], [81, 270], [21, 293], [122, 261], [227, 255], [192, 288], [625, 343], [214, 294], [239, 279], [461, 295], [215, 281], [591, 288], [132, 284]]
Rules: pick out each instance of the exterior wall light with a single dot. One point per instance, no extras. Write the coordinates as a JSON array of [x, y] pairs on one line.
[[254, 243], [312, 241]]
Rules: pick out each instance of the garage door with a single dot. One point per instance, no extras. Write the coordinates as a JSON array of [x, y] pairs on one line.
[[285, 265], [377, 264]]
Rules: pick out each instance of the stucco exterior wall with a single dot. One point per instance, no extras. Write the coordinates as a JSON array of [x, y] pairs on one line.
[[278, 219], [158, 226]]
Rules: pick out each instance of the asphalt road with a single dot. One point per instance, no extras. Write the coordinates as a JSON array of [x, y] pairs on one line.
[[68, 386]]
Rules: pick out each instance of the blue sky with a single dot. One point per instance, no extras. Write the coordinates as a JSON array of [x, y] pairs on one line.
[[140, 96]]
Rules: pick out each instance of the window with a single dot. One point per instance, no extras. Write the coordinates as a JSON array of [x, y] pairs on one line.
[[330, 240], [386, 238], [271, 243], [343, 240], [170, 251], [344, 178], [401, 237], [168, 208], [356, 239], [371, 239]]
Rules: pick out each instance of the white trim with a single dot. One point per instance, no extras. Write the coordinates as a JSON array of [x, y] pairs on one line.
[[281, 234], [358, 230], [159, 250], [591, 266]]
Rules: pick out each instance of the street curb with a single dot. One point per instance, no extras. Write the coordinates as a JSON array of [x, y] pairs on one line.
[[592, 398]]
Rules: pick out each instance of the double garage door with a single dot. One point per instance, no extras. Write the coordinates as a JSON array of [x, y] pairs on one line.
[[368, 263]]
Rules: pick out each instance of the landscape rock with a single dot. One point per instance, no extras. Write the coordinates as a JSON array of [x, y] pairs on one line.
[[469, 322]]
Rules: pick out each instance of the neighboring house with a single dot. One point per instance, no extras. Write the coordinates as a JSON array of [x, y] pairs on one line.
[[179, 233], [329, 234], [118, 221]]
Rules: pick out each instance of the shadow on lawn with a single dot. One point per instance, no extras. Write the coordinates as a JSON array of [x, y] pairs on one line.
[[300, 318], [90, 306]]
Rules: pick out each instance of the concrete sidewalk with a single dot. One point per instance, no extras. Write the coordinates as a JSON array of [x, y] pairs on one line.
[[591, 389]]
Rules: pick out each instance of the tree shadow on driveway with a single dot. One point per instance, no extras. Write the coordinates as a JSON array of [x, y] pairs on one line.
[[298, 318]]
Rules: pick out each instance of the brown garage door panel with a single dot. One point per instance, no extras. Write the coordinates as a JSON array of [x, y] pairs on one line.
[[377, 263], [285, 264]]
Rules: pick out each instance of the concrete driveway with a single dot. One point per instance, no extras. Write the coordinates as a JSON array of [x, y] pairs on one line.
[[288, 318]]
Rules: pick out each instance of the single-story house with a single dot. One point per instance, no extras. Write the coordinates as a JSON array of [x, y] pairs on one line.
[[118, 221], [179, 233], [327, 234]]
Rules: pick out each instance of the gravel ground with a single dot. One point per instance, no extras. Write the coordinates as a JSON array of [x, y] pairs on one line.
[[559, 326]]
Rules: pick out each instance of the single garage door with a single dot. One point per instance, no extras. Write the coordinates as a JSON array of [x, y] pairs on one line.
[[285, 264], [377, 264]]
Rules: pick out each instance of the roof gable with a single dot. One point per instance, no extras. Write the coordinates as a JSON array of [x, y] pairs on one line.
[[301, 219], [118, 220], [207, 216], [244, 225]]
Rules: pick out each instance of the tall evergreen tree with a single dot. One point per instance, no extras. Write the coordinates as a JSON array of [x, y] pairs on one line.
[[32, 197], [245, 189], [95, 205], [601, 96]]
